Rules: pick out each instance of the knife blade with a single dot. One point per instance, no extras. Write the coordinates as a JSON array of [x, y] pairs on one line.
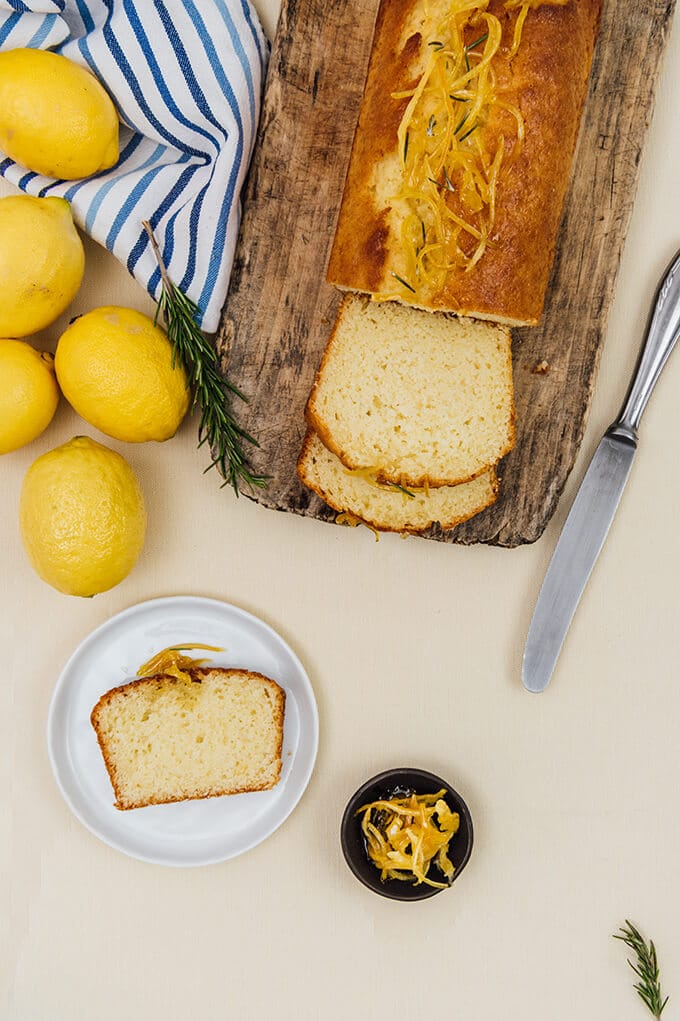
[[598, 497], [577, 550]]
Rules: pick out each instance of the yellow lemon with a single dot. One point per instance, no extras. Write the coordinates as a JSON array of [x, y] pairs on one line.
[[114, 366], [82, 517], [55, 117], [41, 263], [28, 393]]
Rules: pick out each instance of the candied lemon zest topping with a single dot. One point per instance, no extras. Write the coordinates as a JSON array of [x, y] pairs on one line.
[[370, 475], [450, 171], [171, 661], [524, 7], [347, 518], [405, 835]]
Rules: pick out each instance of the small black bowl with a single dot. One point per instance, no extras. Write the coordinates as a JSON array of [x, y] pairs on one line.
[[383, 786]]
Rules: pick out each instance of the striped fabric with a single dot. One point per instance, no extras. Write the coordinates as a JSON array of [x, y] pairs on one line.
[[186, 77]]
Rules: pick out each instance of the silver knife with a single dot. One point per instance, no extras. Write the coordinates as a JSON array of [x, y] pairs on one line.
[[593, 510]]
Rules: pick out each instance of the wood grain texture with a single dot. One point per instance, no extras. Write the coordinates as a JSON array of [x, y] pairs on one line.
[[279, 310]]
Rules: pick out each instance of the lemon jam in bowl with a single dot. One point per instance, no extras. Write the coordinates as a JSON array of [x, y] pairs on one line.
[[406, 834]]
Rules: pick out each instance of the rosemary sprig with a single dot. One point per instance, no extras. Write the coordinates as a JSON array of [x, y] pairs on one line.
[[646, 968], [194, 351]]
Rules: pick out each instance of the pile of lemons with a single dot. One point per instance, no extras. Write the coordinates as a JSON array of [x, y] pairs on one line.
[[81, 510]]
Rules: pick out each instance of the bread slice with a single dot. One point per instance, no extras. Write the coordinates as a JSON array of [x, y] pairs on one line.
[[164, 739], [422, 399], [384, 507]]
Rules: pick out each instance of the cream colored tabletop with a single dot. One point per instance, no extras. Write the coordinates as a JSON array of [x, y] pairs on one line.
[[414, 651]]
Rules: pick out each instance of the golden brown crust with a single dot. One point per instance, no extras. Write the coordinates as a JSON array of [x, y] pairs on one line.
[[548, 80], [312, 484], [124, 804]]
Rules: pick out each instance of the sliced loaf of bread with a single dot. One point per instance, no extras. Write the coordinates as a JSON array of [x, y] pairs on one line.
[[420, 398], [164, 739], [385, 507]]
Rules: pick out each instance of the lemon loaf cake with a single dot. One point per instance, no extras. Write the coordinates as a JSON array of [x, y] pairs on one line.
[[385, 507], [463, 152], [164, 739], [420, 398]]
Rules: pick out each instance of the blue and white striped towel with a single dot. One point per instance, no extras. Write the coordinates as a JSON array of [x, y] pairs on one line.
[[186, 77]]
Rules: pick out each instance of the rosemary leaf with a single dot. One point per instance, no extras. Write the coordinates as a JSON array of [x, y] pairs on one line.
[[482, 39], [192, 349], [403, 282], [646, 968], [461, 123], [468, 133], [401, 489]]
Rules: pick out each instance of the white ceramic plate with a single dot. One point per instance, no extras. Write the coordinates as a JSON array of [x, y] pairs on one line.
[[190, 832]]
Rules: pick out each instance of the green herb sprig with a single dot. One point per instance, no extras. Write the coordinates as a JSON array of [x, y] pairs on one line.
[[646, 968], [217, 428]]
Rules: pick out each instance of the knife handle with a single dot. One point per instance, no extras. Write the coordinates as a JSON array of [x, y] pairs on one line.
[[661, 338]]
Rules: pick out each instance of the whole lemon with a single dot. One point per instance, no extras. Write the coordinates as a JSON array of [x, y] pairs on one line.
[[82, 517], [55, 117], [115, 368], [28, 395], [42, 262]]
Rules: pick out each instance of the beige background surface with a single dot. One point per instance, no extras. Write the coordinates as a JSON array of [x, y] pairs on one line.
[[414, 651]]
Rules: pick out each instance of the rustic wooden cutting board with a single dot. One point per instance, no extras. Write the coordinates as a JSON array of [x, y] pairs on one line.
[[279, 310]]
